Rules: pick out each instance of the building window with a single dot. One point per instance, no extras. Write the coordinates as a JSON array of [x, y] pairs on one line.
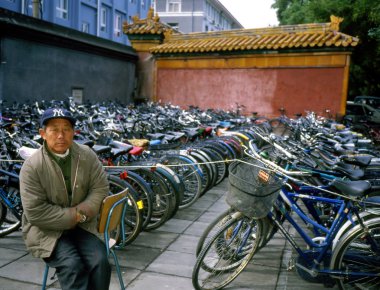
[[85, 27], [77, 94], [118, 25], [62, 9], [174, 26], [103, 19], [173, 6]]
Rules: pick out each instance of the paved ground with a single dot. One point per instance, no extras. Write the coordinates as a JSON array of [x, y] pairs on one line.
[[163, 259]]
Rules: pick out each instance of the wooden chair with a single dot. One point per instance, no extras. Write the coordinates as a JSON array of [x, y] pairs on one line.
[[110, 217]]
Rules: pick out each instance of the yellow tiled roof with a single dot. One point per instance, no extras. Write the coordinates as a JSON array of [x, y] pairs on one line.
[[150, 25], [271, 38]]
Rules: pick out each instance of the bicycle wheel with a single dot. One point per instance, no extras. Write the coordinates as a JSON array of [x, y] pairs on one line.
[[164, 201], [10, 220], [3, 213], [142, 190], [204, 167], [226, 254], [357, 255], [189, 173], [132, 213], [217, 162], [213, 168], [220, 163], [213, 228], [175, 188]]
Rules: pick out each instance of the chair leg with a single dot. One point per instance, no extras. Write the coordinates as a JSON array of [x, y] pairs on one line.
[[117, 269], [46, 272]]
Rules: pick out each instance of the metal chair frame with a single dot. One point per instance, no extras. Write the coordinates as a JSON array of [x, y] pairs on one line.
[[113, 208]]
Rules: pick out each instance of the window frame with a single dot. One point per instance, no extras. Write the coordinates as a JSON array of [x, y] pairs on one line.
[[118, 24], [62, 9], [173, 3], [103, 19]]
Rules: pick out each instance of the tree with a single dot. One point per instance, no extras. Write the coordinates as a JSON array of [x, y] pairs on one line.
[[361, 19]]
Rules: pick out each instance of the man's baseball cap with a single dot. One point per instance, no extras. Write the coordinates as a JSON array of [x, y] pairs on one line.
[[55, 113]]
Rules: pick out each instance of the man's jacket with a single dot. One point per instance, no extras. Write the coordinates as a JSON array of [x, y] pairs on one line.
[[45, 200]]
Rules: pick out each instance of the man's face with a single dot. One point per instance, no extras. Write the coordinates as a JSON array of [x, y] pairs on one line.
[[58, 134]]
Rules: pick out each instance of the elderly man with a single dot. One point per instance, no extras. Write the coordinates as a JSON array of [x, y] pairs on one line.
[[62, 187]]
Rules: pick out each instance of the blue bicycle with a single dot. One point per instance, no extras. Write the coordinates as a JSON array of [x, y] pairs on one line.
[[345, 251]]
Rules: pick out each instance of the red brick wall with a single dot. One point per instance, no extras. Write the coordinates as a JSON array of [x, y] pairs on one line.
[[259, 90]]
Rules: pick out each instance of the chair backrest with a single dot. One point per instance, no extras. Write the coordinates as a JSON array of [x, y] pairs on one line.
[[113, 205]]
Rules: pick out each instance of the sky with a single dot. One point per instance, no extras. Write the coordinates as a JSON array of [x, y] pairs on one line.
[[252, 13]]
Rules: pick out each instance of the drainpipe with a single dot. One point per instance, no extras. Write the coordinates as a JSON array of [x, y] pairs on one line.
[[36, 8]]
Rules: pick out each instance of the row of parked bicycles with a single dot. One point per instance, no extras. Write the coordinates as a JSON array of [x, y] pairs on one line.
[[166, 157], [311, 173], [314, 177]]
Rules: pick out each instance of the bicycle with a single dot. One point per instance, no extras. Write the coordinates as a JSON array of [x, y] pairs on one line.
[[345, 252]]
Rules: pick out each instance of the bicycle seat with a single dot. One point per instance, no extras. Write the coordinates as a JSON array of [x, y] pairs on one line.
[[360, 160], [117, 151], [89, 143], [351, 173], [356, 188], [120, 145], [136, 151], [99, 149], [159, 136]]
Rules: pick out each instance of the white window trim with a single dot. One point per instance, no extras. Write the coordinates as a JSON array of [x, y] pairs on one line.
[[103, 17], [168, 2], [62, 10], [117, 27]]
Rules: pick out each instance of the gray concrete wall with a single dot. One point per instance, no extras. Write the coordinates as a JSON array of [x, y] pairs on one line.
[[37, 71], [44, 61]]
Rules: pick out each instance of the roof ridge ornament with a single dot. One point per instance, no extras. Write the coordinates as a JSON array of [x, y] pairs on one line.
[[335, 21]]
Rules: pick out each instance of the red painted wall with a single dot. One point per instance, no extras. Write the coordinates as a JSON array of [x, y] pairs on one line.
[[259, 90]]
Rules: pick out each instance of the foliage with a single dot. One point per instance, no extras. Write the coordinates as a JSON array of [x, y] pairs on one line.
[[361, 19]]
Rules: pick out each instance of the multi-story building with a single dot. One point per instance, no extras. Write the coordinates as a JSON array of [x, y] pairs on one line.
[[195, 15], [103, 18]]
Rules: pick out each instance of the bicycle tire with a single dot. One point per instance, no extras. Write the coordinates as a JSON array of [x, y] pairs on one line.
[[132, 216], [222, 249], [355, 253], [163, 201], [213, 144], [212, 228], [175, 188], [204, 167], [3, 213], [142, 189], [210, 162], [220, 163], [177, 181], [189, 173], [8, 226]]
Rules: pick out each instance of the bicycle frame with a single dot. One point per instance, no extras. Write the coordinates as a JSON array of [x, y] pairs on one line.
[[13, 205], [321, 251]]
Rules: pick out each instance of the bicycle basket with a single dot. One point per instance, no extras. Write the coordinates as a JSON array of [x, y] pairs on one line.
[[252, 189]]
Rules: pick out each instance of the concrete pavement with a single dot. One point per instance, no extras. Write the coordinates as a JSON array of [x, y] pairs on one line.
[[163, 259]]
